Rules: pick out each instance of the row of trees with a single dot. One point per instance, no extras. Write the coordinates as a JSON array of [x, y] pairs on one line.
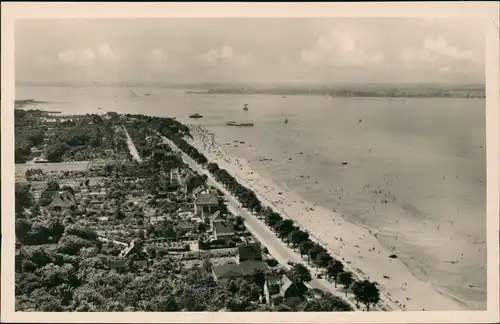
[[364, 291]]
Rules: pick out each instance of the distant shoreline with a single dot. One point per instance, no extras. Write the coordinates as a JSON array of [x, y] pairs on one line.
[[343, 94], [26, 102]]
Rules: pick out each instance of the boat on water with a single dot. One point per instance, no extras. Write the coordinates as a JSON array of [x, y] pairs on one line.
[[233, 123], [245, 125], [245, 107], [286, 120], [195, 116]]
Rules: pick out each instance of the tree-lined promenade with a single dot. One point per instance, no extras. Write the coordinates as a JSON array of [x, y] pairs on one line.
[[364, 291]]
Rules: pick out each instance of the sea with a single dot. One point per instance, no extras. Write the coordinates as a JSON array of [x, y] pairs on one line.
[[413, 169]]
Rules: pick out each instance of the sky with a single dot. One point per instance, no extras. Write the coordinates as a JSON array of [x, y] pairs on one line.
[[177, 50]]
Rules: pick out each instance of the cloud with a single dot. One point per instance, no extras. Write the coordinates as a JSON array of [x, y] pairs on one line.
[[340, 49], [436, 49], [226, 54], [86, 56], [80, 57], [105, 52]]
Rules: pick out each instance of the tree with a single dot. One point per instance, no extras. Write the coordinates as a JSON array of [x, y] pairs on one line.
[[297, 236], [345, 279], [23, 198], [56, 151], [285, 227], [23, 227], [315, 251], [259, 277], [170, 231], [323, 259], [239, 221], [305, 247], [366, 292], [301, 273], [272, 219], [334, 268]]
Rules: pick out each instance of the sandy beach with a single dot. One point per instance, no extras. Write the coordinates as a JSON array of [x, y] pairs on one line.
[[358, 247]]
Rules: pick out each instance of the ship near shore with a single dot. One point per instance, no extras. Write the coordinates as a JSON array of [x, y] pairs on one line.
[[197, 115], [233, 123]]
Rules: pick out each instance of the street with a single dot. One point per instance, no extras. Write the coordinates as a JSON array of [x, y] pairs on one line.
[[259, 229]]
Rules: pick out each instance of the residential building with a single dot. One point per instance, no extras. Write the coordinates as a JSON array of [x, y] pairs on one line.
[[245, 270], [112, 114], [62, 200], [198, 190], [225, 272], [279, 287], [247, 252], [185, 226], [215, 217], [132, 247], [97, 197], [174, 175], [206, 205], [223, 231]]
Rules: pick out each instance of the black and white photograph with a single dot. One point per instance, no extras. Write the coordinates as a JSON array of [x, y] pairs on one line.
[[250, 164]]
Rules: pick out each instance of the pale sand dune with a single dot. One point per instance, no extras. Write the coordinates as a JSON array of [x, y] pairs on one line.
[[359, 248]]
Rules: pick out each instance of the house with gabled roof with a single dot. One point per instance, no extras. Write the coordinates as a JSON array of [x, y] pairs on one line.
[[279, 287], [225, 272], [132, 247], [206, 205], [245, 270], [198, 190], [223, 231], [62, 200], [215, 217]]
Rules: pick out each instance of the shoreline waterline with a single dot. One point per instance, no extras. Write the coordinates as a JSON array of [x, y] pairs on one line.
[[403, 286]]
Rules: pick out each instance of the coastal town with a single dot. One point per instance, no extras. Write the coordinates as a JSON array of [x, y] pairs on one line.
[[120, 213]]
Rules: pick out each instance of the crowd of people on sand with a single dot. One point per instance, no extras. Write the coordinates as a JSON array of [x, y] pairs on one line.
[[205, 139]]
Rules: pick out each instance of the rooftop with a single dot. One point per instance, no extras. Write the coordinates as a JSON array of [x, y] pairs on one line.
[[207, 199], [223, 228], [231, 270], [250, 252], [228, 270], [250, 266]]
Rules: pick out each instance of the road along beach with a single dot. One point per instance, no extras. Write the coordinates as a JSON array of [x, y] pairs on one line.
[[356, 246]]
